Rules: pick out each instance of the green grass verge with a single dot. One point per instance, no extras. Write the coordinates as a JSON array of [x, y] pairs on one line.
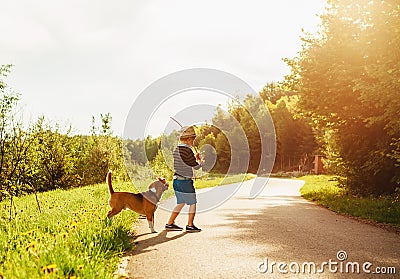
[[222, 180], [212, 180], [324, 190], [69, 237]]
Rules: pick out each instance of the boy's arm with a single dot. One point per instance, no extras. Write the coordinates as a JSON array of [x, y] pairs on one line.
[[189, 159], [199, 161]]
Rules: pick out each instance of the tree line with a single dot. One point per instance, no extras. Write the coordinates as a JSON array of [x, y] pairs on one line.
[[347, 79], [225, 134], [341, 100], [42, 156]]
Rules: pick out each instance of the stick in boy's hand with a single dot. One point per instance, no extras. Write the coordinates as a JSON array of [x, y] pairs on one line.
[[198, 157]]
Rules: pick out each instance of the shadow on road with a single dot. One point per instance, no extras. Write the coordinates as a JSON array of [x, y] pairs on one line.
[[146, 245], [289, 228]]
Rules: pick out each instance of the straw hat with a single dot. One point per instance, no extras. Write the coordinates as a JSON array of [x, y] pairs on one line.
[[187, 132]]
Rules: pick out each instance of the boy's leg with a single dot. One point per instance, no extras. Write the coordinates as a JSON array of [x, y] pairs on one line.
[[175, 213], [192, 213]]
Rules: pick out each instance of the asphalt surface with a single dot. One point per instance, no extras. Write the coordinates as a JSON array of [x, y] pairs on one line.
[[276, 235]]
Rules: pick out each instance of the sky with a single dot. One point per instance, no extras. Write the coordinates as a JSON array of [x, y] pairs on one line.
[[77, 59]]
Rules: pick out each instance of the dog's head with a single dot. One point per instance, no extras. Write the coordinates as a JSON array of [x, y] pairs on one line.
[[159, 186]]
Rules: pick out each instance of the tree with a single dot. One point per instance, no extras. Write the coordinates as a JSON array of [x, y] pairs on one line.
[[53, 158], [206, 140], [251, 130], [151, 148], [44, 157], [294, 136], [273, 92], [103, 152], [14, 141], [346, 79], [162, 165], [223, 150]]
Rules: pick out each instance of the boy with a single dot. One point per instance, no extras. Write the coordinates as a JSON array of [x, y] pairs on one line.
[[184, 163]]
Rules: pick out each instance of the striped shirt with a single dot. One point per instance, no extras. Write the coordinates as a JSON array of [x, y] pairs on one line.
[[184, 161]]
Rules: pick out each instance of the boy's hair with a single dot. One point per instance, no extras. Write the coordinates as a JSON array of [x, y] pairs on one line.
[[184, 139], [187, 132]]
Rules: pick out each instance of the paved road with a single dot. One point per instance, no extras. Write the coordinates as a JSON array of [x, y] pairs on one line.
[[278, 226]]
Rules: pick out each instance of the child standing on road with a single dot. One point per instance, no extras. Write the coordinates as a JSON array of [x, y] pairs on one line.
[[184, 163]]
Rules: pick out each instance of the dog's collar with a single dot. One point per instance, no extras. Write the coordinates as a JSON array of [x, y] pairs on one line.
[[154, 195]]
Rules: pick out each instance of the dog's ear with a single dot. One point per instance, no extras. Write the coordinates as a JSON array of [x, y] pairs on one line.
[[162, 180]]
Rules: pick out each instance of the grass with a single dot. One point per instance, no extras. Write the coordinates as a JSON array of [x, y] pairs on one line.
[[222, 180], [324, 190], [212, 181], [69, 237]]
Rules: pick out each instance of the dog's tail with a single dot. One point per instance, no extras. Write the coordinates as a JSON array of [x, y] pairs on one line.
[[110, 188]]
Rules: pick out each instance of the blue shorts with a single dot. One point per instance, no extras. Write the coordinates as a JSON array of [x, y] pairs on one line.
[[184, 192]]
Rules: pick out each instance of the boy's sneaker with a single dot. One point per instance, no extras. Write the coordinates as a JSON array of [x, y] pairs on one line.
[[173, 227], [192, 229]]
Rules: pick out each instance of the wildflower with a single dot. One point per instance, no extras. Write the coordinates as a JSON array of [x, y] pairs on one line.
[[73, 225], [31, 245], [80, 267], [49, 268], [28, 233]]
